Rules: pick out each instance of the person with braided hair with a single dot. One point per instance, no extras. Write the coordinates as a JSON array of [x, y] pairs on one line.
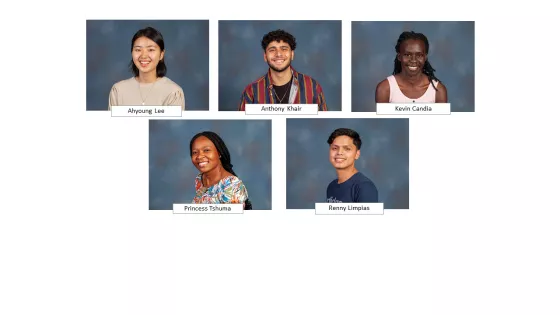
[[217, 182], [413, 79]]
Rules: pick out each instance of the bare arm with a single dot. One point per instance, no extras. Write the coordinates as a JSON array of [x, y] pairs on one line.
[[382, 92], [441, 94]]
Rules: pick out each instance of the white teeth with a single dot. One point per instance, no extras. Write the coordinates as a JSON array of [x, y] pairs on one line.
[[202, 164], [412, 68]]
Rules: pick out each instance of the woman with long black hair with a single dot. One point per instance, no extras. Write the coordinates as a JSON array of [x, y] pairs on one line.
[[217, 182]]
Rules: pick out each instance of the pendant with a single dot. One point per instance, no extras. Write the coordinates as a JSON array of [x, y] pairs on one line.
[[142, 103]]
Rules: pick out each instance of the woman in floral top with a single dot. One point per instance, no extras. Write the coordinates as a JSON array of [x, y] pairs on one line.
[[217, 182]]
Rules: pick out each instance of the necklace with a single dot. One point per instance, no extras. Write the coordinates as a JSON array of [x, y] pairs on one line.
[[285, 93], [140, 90]]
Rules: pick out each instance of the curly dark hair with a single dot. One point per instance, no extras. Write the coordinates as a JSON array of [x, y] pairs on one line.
[[277, 36]]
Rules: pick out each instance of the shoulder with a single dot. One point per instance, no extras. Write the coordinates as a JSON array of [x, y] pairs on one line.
[[304, 77], [333, 183], [232, 182], [440, 86], [123, 84], [258, 81], [362, 180], [170, 84], [383, 85], [198, 182]]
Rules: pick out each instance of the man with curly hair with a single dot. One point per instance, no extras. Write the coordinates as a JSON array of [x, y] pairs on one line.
[[282, 84]]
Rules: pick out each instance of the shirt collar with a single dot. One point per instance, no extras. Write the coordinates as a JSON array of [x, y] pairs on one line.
[[269, 77]]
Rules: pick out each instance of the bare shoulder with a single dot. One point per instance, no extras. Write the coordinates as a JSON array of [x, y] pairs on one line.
[[383, 85], [382, 92], [441, 94]]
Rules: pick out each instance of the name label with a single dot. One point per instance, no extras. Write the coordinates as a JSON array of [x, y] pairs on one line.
[[349, 208], [147, 111], [181, 208], [413, 108], [281, 109]]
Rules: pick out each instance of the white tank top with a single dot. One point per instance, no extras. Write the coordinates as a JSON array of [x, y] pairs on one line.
[[396, 96]]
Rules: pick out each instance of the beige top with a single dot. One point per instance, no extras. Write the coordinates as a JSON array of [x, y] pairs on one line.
[[131, 92]]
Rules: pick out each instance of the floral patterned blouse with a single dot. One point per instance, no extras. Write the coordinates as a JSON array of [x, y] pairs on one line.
[[228, 190]]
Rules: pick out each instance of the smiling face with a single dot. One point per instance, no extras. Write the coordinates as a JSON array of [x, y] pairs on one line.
[[204, 155], [278, 55], [412, 56], [343, 152], [146, 55]]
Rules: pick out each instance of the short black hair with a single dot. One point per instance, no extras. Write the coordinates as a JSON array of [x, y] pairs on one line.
[[277, 36], [156, 36], [346, 132], [223, 153]]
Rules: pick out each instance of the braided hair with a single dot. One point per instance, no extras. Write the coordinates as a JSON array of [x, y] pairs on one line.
[[427, 69], [223, 153]]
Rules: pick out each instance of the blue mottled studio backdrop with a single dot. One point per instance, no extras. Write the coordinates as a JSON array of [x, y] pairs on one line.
[[383, 159], [451, 54], [317, 54], [186, 58], [172, 173]]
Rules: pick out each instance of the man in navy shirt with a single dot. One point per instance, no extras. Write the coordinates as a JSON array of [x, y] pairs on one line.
[[351, 185]]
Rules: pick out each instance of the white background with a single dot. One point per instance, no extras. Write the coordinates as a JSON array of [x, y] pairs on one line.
[[481, 235]]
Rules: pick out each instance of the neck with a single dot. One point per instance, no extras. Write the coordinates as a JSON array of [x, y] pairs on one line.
[[345, 174], [150, 77], [212, 177], [281, 78], [412, 79]]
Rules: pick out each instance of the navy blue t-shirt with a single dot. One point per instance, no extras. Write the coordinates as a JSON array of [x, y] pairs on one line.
[[357, 188]]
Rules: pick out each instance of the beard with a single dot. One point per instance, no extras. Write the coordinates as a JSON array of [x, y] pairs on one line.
[[275, 68]]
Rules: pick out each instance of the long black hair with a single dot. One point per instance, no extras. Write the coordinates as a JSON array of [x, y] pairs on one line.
[[156, 36], [427, 69], [223, 153]]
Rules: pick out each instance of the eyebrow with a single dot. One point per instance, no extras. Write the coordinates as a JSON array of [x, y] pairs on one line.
[[281, 46], [143, 46]]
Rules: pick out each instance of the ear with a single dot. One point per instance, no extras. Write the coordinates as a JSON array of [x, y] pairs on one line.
[[399, 57], [292, 55], [264, 57], [162, 54], [357, 154]]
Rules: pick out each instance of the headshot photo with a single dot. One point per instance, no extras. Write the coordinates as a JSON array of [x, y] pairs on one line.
[[280, 62], [156, 63], [347, 160], [413, 62], [210, 162]]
